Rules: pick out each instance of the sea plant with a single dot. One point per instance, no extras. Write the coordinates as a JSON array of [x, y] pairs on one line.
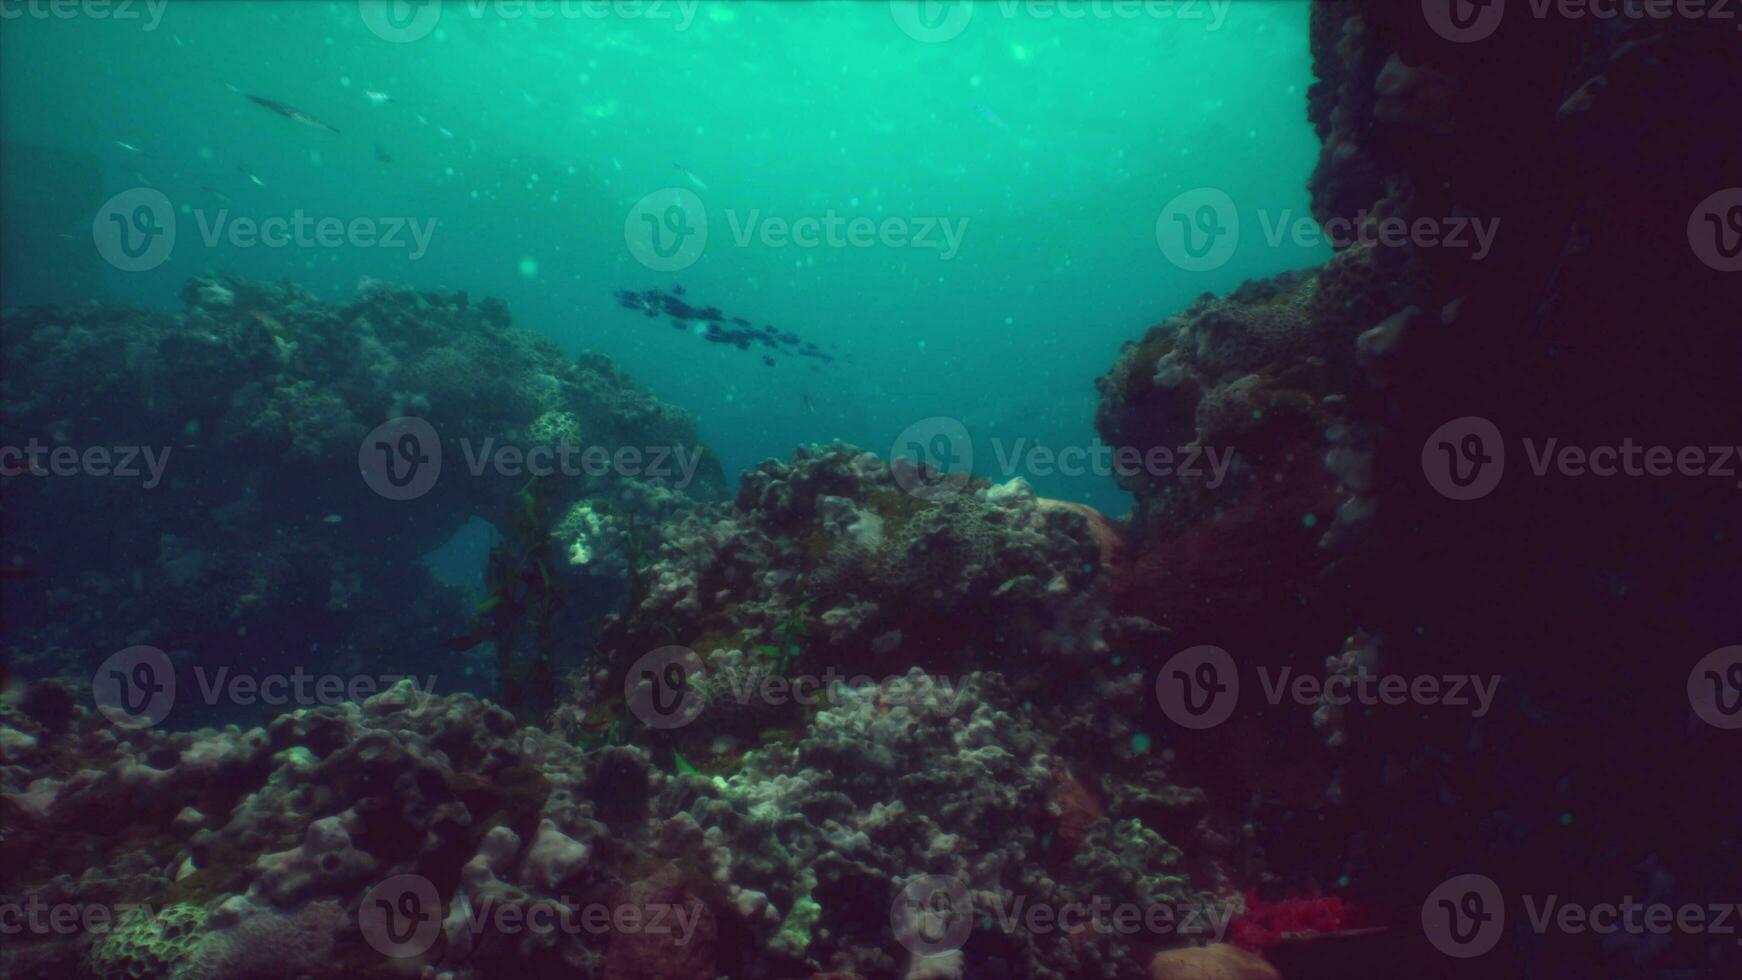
[[521, 603]]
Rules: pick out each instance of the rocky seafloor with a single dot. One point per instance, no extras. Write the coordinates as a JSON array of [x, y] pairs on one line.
[[853, 721]]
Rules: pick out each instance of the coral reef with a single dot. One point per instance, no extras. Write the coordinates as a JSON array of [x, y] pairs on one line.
[[271, 838], [827, 564], [838, 727], [243, 421]]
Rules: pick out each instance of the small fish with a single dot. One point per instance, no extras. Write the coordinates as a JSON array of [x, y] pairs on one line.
[[381, 154], [809, 406], [697, 181], [333, 519], [220, 195], [256, 181], [987, 113], [378, 98], [768, 360], [445, 131], [292, 113], [129, 147]]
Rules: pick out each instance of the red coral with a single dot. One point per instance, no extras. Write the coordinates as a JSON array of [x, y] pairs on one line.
[[1264, 924]]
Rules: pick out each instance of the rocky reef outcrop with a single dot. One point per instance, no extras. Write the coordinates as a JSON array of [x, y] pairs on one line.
[[223, 445], [1599, 316]]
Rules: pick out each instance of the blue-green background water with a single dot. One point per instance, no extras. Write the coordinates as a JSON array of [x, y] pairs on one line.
[[527, 133]]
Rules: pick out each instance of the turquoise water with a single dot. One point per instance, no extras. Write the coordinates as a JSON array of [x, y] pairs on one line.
[[1047, 137]]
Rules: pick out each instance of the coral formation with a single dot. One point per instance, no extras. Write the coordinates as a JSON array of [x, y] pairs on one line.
[[221, 546], [168, 945]]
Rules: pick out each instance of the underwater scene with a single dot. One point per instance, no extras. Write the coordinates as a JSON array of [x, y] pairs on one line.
[[870, 489]]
